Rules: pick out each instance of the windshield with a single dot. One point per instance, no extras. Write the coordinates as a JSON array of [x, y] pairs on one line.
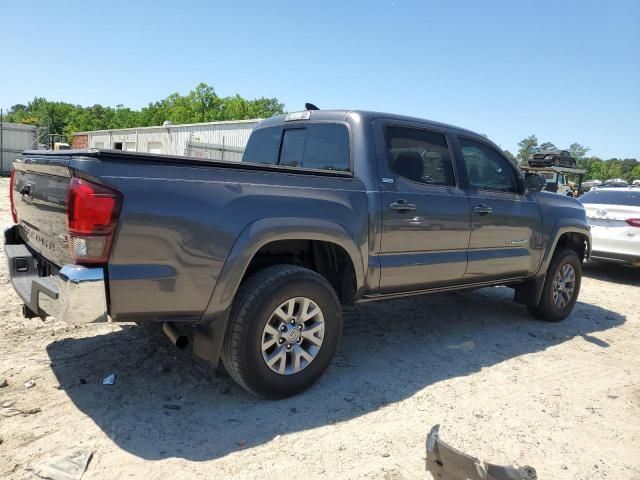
[[612, 197]]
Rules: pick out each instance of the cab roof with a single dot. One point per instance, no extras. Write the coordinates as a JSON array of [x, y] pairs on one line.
[[364, 115]]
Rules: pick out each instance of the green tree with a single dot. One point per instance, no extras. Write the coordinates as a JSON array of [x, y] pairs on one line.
[[511, 156], [604, 170], [578, 151], [635, 173], [202, 104], [527, 147]]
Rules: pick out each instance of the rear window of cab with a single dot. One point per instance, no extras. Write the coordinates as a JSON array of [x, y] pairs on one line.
[[320, 146]]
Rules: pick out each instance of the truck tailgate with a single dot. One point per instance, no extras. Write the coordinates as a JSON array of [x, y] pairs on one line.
[[40, 197]]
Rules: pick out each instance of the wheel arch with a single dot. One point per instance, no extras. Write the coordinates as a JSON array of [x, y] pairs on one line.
[[567, 233], [280, 232]]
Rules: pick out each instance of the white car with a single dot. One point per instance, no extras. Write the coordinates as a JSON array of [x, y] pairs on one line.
[[614, 216]]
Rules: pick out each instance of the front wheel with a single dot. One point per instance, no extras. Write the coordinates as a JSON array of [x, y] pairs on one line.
[[283, 331], [561, 287]]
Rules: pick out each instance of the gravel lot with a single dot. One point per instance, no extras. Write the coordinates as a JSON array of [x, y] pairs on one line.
[[564, 398]]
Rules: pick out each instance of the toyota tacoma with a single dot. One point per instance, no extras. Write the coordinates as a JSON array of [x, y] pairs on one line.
[[251, 262]]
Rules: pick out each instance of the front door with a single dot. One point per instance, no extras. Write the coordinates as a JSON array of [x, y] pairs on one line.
[[425, 215], [506, 225]]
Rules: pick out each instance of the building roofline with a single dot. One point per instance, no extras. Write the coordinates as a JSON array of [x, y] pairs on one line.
[[178, 125]]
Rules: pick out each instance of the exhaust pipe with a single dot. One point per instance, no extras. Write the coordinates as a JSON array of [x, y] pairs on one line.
[[179, 340]]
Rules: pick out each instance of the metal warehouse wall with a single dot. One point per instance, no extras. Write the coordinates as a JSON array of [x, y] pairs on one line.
[[176, 139], [14, 138]]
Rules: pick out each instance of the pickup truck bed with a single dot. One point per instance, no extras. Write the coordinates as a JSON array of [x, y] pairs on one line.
[[326, 208]]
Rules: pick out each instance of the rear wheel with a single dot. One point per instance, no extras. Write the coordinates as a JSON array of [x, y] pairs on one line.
[[284, 329], [561, 287]]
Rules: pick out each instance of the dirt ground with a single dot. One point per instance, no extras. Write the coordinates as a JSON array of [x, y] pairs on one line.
[[564, 398]]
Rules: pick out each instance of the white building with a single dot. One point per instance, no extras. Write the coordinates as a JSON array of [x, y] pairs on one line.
[[14, 138], [214, 140]]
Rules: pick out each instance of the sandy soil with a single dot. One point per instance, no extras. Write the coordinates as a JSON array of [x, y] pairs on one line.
[[564, 398]]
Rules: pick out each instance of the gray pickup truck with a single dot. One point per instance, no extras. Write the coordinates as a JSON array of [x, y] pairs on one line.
[[250, 262]]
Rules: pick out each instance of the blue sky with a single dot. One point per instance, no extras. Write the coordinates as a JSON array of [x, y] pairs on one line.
[[567, 71]]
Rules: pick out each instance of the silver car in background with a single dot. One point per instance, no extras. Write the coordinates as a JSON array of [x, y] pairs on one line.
[[614, 216]]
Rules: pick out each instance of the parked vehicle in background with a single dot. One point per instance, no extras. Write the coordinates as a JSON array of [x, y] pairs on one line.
[[558, 179], [616, 182], [614, 216], [553, 157], [252, 261], [589, 184], [636, 183]]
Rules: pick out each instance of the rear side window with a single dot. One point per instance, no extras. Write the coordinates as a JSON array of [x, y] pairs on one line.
[[264, 146], [419, 155], [322, 146], [609, 197]]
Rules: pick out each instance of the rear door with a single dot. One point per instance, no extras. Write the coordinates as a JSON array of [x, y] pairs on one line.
[[506, 223], [425, 215]]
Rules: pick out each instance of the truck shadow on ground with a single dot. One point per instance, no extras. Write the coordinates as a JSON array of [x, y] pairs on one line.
[[612, 272], [165, 406]]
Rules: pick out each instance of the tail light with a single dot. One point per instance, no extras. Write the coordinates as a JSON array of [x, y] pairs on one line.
[[92, 216], [634, 222], [14, 212]]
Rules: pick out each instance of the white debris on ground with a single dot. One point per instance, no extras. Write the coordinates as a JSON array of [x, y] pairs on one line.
[[564, 398]]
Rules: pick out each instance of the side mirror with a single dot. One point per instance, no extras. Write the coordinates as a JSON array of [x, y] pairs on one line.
[[535, 182]]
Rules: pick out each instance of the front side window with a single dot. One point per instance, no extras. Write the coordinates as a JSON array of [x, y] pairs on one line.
[[319, 146], [419, 155], [486, 168]]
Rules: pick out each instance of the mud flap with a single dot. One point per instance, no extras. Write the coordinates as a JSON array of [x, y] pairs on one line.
[[446, 463], [529, 292]]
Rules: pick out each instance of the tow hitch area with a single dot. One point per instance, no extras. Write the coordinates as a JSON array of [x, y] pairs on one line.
[[446, 463]]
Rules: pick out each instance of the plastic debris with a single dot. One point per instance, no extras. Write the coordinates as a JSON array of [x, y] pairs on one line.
[[109, 379], [70, 466], [30, 384], [447, 463]]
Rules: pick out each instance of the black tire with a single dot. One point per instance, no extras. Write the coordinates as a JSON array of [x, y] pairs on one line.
[[546, 309], [255, 302]]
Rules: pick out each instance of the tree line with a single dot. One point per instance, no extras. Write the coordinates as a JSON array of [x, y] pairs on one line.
[[202, 104], [596, 168]]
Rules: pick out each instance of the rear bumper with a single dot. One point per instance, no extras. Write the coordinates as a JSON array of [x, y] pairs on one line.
[[76, 294]]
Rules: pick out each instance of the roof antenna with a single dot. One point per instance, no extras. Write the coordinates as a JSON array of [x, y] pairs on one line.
[[310, 106]]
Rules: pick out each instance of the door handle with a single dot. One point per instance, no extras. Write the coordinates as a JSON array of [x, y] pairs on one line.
[[482, 209], [402, 206]]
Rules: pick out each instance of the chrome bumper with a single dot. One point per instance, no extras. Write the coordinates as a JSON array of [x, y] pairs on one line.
[[76, 294]]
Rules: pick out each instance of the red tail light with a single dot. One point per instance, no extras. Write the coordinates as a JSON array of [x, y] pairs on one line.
[[92, 216], [14, 212], [634, 222]]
